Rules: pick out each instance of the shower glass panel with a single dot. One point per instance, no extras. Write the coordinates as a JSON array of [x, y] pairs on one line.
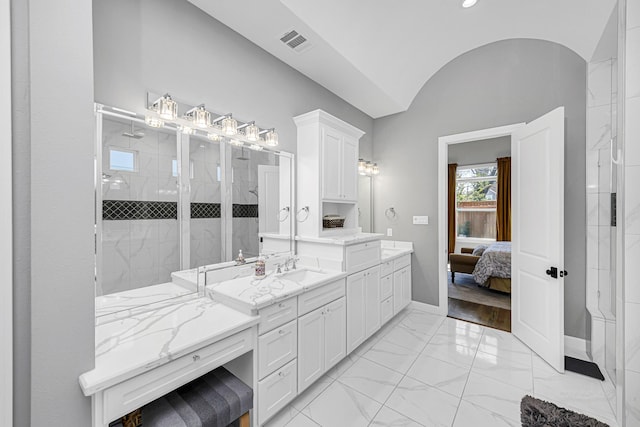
[[255, 177], [205, 198], [140, 245]]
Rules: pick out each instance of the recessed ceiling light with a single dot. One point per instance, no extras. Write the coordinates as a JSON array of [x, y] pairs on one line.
[[468, 3]]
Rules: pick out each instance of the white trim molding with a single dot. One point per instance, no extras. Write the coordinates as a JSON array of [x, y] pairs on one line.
[[6, 225], [443, 152], [576, 348]]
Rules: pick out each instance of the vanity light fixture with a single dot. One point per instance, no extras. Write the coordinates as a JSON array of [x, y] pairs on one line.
[[252, 132], [362, 167], [229, 125], [468, 3], [199, 116], [236, 142], [369, 168], [375, 170], [213, 136], [166, 107], [256, 147], [153, 121], [271, 138]]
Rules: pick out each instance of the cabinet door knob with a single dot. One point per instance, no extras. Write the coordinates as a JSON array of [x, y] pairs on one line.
[[281, 305], [196, 357], [281, 332]]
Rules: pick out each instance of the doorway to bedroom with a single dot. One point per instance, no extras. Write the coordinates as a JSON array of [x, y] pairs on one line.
[[479, 232]]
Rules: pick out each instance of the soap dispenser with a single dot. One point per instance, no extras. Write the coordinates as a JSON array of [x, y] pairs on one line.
[[240, 259]]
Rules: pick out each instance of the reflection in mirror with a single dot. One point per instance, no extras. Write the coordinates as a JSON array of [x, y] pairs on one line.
[[167, 203], [365, 203]]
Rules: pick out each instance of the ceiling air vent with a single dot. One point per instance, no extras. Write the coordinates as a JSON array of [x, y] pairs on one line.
[[295, 41]]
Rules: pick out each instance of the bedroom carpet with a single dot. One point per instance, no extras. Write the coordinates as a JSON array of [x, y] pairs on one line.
[[467, 289]]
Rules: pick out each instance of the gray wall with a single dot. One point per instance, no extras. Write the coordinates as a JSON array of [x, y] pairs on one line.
[[478, 152], [53, 210], [201, 60], [498, 84]]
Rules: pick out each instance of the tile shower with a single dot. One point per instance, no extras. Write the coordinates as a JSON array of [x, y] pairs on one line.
[[140, 204]]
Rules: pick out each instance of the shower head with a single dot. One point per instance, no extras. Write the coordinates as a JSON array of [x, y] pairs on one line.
[[242, 156], [133, 133]]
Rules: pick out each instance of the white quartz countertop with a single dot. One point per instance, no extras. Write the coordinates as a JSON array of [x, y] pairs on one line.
[[391, 254], [129, 347], [250, 293], [350, 239]]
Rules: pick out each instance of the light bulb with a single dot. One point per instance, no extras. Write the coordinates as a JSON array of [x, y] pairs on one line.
[[362, 166], [369, 168], [252, 132], [229, 125], [375, 169], [166, 107], [153, 121], [271, 138]]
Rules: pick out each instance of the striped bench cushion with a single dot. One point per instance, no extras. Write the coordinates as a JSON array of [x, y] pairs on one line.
[[213, 400]]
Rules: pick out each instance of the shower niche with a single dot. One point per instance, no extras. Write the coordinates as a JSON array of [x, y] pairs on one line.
[[167, 202]]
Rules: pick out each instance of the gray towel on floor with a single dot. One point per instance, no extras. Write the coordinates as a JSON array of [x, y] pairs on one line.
[[213, 400]]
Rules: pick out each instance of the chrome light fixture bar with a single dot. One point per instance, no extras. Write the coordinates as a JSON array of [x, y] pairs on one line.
[[164, 111], [367, 168]]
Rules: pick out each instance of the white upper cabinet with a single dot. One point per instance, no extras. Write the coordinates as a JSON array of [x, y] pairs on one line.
[[327, 173]]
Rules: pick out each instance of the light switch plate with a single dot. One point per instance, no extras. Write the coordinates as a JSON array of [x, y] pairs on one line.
[[389, 232], [420, 220]]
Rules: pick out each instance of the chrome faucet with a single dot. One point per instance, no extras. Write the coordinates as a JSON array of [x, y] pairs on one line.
[[291, 261]]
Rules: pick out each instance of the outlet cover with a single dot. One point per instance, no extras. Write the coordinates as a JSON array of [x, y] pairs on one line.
[[389, 232], [420, 220]]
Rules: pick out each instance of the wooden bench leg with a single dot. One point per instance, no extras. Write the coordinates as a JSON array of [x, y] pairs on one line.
[[244, 420]]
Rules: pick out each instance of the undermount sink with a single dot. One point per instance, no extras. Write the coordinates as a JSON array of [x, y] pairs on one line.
[[302, 275]]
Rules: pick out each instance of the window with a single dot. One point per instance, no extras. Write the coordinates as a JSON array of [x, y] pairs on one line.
[[476, 200], [121, 159], [174, 168]]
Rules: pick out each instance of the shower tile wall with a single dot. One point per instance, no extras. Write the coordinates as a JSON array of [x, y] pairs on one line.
[[632, 216], [601, 114], [206, 232], [139, 252]]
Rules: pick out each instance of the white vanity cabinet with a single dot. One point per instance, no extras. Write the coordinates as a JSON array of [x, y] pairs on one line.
[[339, 165], [327, 173], [363, 306], [321, 338]]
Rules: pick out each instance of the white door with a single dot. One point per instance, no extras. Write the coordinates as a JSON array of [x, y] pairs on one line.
[[310, 348], [355, 310], [335, 331], [350, 169], [537, 177], [372, 301], [268, 198]]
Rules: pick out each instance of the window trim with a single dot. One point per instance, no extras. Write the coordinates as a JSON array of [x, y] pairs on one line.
[[475, 179], [136, 158]]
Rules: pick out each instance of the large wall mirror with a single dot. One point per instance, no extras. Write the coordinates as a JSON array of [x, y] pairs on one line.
[[167, 202], [365, 203]]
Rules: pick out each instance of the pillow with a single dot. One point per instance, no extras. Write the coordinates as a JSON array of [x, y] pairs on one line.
[[479, 250]]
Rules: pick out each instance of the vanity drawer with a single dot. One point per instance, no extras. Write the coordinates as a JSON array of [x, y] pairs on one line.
[[386, 287], [386, 268], [277, 314], [362, 256], [132, 394], [277, 347], [401, 262], [386, 310], [324, 294], [278, 389]]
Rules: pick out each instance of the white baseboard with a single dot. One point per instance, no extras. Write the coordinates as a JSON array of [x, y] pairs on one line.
[[575, 347], [427, 308]]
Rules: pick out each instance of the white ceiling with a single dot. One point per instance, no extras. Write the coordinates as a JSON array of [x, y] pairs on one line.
[[377, 54]]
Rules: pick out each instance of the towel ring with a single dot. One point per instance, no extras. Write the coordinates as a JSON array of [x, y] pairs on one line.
[[390, 213], [286, 214], [306, 212]]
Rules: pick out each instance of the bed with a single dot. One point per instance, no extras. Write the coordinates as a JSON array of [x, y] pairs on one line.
[[493, 269]]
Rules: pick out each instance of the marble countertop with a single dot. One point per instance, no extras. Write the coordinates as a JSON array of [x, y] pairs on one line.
[[391, 250], [249, 293], [129, 347], [350, 239]]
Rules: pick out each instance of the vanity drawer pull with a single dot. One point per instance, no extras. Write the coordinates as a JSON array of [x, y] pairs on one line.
[[196, 357], [281, 332], [281, 305], [283, 374]]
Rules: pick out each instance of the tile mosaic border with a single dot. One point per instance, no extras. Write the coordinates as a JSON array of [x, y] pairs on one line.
[[119, 210]]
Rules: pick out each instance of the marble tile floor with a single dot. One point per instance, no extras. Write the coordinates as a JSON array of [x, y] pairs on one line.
[[427, 370]]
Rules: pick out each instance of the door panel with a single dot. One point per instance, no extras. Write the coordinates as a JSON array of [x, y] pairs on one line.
[[372, 301], [335, 328], [310, 348], [331, 148], [537, 175], [350, 170], [355, 311]]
